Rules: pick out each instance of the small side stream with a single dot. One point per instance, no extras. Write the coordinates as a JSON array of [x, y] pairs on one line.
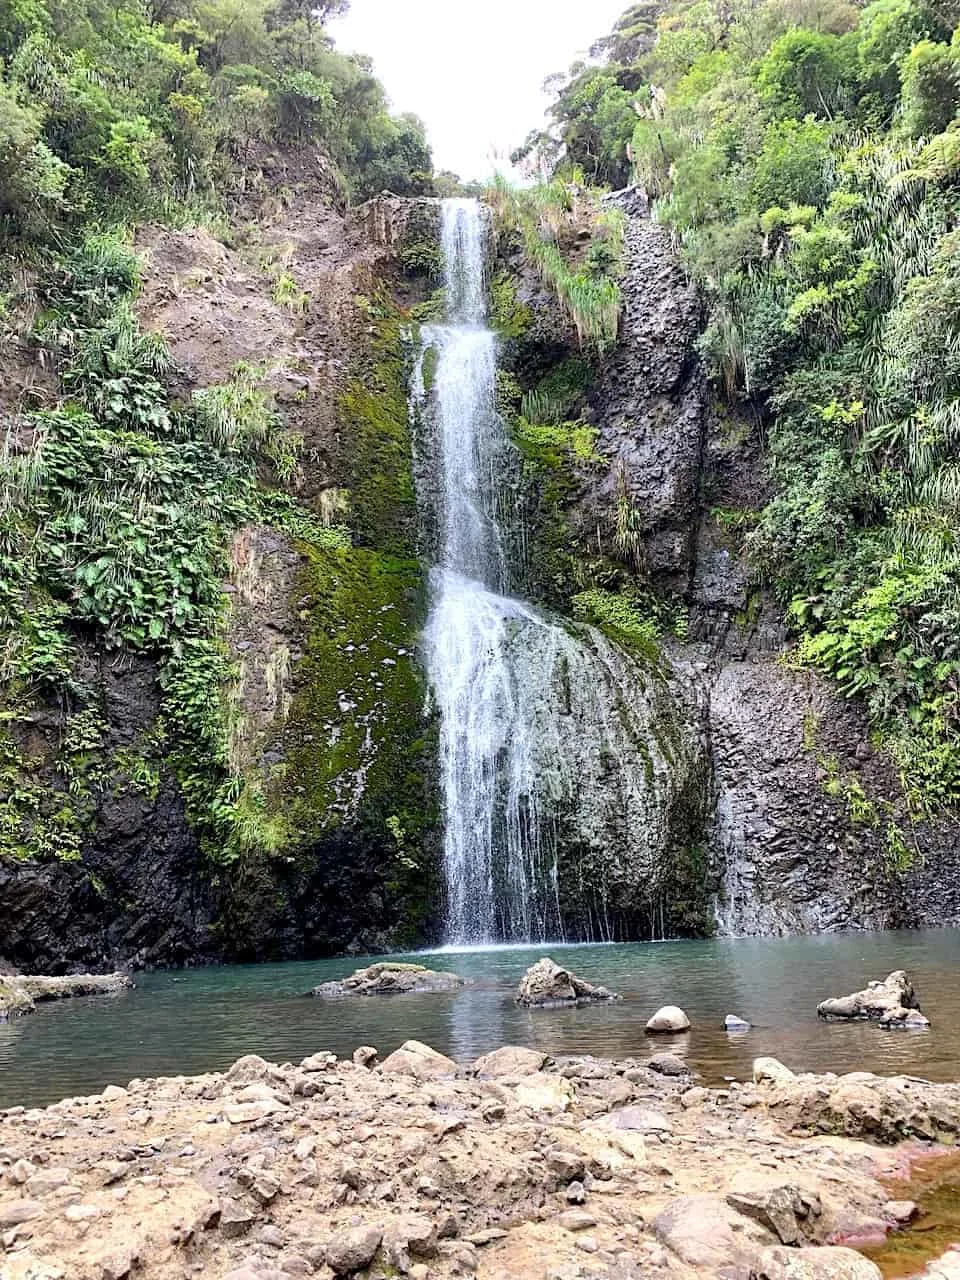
[[933, 1184]]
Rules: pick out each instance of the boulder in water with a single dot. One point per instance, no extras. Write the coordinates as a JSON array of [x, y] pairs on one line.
[[546, 985], [669, 1018], [732, 1023], [892, 1002], [389, 977]]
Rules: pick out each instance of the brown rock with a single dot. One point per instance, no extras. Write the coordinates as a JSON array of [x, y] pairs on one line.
[[352, 1250], [824, 1263], [390, 977], [547, 985], [510, 1060], [577, 1220], [697, 1229], [783, 1207], [235, 1218], [13, 1212], [901, 1210], [886, 1002], [418, 1060]]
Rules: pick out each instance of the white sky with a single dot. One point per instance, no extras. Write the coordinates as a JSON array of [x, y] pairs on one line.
[[472, 69]]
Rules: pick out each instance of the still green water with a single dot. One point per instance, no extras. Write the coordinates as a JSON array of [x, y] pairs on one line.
[[201, 1020]]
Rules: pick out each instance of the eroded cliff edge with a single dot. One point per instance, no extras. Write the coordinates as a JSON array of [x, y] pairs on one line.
[[803, 823]]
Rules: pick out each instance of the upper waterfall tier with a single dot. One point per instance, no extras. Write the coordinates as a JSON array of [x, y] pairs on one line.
[[463, 235]]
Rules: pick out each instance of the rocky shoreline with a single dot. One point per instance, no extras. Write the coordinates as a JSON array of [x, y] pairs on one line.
[[515, 1166], [20, 993]]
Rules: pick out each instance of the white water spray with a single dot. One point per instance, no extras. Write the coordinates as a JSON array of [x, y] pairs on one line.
[[544, 727], [492, 840]]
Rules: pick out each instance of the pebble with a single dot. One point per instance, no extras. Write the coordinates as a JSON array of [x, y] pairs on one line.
[[352, 1250], [13, 1212], [235, 1218]]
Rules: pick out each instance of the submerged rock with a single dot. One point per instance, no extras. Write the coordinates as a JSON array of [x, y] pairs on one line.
[[668, 1064], [546, 985], [892, 1002], [20, 993], [669, 1018], [387, 978]]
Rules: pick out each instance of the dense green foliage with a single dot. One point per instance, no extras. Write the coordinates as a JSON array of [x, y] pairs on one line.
[[115, 512], [807, 159], [145, 107], [593, 114], [118, 502]]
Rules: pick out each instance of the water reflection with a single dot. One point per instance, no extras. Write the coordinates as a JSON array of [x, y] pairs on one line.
[[204, 1019]]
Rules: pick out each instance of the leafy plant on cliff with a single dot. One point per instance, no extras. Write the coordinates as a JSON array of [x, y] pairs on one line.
[[115, 510], [548, 218], [622, 616]]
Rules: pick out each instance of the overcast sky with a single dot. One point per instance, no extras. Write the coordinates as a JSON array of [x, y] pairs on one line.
[[472, 69]]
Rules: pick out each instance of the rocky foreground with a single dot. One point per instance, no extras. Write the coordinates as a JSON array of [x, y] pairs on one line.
[[513, 1167]]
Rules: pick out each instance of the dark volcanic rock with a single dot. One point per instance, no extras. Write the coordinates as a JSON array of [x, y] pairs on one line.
[[650, 401]]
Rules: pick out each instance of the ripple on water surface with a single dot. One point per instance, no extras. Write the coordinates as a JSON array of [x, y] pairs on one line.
[[203, 1019]]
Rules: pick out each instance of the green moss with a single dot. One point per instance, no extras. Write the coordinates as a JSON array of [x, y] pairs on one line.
[[39, 819], [377, 431], [566, 384], [556, 445], [358, 685], [508, 316], [431, 310], [422, 258], [621, 618], [356, 782]]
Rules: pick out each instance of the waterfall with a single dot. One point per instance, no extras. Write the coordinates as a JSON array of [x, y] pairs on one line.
[[546, 729], [497, 886]]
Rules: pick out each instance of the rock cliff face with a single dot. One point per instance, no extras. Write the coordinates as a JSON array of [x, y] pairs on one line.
[[805, 818], [326, 713], [650, 400], [741, 795]]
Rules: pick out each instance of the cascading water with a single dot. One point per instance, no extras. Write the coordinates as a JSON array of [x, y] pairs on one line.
[[492, 849], [542, 725]]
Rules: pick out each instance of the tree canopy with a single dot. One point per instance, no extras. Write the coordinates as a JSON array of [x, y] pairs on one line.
[[130, 108]]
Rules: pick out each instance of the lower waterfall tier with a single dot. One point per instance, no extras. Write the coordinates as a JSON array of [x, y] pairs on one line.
[[572, 773]]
